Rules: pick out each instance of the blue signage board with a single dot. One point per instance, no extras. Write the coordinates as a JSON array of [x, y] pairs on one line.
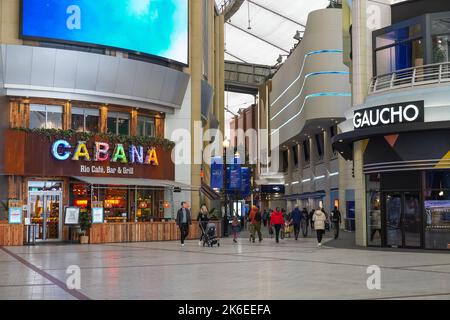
[[157, 27], [234, 175], [217, 173], [245, 182], [350, 209]]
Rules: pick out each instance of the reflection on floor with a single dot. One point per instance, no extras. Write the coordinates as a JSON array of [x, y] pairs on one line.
[[165, 270]]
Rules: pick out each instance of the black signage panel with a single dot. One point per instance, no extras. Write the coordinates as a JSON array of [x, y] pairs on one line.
[[406, 112], [273, 188]]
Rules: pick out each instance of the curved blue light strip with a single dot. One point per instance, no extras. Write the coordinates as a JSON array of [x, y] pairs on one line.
[[303, 66], [303, 86], [314, 95]]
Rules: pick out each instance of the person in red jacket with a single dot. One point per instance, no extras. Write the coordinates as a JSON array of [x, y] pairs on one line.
[[277, 220]]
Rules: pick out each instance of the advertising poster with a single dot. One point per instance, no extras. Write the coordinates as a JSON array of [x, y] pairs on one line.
[[246, 183], [97, 215], [15, 215], [217, 173], [234, 174]]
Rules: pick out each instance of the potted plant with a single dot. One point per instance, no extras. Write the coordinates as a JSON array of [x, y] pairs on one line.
[[85, 225]]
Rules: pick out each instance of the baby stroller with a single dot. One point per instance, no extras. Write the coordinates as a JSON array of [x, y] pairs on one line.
[[209, 235]]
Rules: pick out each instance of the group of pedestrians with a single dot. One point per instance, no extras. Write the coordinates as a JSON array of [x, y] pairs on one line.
[[279, 220], [276, 221]]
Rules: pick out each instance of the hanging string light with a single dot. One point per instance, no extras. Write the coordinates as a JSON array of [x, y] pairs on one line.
[[249, 19]]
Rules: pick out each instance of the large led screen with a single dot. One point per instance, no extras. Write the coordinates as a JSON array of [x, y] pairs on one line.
[[154, 27]]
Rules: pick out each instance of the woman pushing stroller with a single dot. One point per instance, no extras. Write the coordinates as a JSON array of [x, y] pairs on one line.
[[203, 220]]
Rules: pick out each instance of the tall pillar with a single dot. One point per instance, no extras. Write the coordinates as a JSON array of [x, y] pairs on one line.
[[326, 160], [221, 88], [196, 78], [359, 93]]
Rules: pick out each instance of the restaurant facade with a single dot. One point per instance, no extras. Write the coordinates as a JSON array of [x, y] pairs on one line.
[[87, 125], [397, 135]]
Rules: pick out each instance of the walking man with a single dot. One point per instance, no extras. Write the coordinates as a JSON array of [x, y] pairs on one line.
[[255, 223], [184, 220], [296, 218], [336, 219], [305, 222]]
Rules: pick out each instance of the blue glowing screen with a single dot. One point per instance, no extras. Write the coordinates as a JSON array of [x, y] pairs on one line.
[[155, 27]]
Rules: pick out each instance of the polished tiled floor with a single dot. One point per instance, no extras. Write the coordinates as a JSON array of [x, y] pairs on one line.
[[165, 270]]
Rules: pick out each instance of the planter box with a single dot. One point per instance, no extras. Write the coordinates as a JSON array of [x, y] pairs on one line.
[[84, 239]]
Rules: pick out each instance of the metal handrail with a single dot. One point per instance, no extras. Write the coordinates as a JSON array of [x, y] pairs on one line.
[[411, 77]]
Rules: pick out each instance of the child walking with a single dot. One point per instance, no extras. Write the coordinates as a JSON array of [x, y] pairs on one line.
[[236, 228]]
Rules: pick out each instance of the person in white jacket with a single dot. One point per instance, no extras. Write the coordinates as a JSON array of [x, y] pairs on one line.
[[319, 218]]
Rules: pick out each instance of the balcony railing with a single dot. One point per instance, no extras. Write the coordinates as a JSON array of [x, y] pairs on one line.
[[411, 77]]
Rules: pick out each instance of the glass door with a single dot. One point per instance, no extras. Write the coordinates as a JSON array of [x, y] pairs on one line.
[[403, 219], [412, 222], [45, 208], [394, 236]]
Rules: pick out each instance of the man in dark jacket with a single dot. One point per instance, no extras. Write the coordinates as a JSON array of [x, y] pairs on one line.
[[296, 218], [311, 222], [305, 222], [184, 220], [336, 219]]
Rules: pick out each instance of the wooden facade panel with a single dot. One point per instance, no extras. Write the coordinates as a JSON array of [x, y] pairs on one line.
[[11, 235], [141, 232]]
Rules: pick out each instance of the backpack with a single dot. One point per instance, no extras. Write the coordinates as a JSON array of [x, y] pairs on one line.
[[258, 216]]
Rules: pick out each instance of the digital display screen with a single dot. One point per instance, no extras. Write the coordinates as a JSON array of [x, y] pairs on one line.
[[154, 27]]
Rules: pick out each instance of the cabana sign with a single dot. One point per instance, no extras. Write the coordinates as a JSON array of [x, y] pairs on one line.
[[103, 153]]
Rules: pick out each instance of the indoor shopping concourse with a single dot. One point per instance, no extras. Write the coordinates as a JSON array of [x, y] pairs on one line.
[[290, 270], [239, 150]]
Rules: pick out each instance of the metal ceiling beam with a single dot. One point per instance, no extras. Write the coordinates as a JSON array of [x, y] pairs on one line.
[[229, 7], [236, 57], [276, 13], [259, 38]]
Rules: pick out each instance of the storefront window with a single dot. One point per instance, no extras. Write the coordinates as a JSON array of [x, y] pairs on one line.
[[398, 35], [146, 126], [373, 210], [46, 117], [150, 205], [119, 123], [437, 210], [115, 202], [401, 56], [306, 151], [441, 48], [440, 25], [85, 120]]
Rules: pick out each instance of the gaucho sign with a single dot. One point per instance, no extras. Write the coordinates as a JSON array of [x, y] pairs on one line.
[[407, 112]]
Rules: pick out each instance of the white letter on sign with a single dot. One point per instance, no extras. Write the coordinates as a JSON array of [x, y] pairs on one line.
[[74, 20], [74, 280], [374, 281]]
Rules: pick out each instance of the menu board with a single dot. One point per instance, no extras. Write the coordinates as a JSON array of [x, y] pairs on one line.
[[72, 216], [15, 215], [97, 215]]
